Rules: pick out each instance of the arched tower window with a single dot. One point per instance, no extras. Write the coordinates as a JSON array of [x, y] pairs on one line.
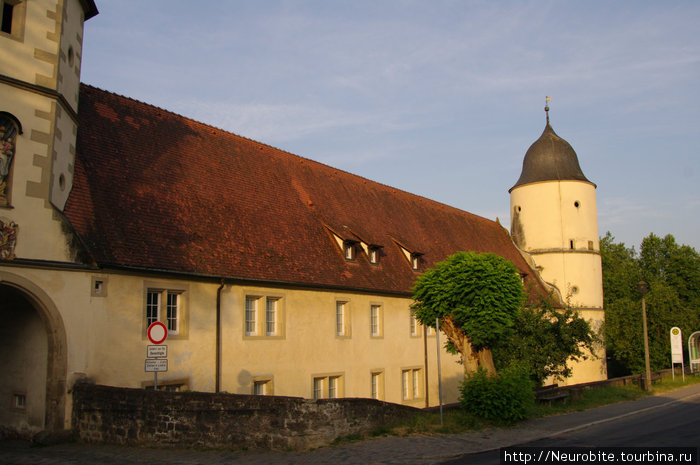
[[9, 129]]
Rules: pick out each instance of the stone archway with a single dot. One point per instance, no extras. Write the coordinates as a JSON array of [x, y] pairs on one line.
[[34, 355]]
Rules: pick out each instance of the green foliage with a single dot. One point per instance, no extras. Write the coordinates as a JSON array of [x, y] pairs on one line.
[[543, 339], [482, 293], [673, 275], [503, 398]]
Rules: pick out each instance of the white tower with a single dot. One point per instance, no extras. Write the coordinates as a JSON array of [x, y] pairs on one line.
[[554, 220]]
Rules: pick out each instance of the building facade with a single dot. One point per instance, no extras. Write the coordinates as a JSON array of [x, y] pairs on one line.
[[272, 273]]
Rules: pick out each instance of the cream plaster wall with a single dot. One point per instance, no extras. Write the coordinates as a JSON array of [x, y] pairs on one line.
[[106, 338], [549, 217], [40, 235], [32, 57]]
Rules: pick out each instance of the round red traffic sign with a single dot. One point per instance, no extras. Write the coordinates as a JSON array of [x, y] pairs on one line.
[[157, 332]]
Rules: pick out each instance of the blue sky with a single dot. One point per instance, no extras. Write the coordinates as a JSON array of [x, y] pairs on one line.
[[440, 98]]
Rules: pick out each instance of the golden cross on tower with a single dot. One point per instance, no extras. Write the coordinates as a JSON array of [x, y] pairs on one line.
[[546, 106]]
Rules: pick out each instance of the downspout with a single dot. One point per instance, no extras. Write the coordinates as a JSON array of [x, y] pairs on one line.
[[217, 387], [425, 361]]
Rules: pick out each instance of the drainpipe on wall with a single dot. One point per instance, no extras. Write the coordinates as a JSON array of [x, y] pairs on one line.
[[425, 360], [217, 387]]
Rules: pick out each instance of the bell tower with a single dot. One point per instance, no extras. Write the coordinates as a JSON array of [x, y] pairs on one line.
[[40, 58], [554, 221]]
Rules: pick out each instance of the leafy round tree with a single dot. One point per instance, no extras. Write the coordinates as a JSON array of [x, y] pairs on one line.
[[476, 297]]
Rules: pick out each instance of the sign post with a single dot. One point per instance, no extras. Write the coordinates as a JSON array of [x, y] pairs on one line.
[[677, 351], [156, 354]]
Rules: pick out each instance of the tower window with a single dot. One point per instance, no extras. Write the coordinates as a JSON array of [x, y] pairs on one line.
[[7, 10], [590, 245], [571, 244], [577, 204]]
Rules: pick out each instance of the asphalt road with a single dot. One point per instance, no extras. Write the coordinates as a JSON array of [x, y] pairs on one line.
[[674, 425]]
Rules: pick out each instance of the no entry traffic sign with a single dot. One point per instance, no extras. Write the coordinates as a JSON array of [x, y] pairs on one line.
[[157, 332]]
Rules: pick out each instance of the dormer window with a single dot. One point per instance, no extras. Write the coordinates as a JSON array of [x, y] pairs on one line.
[[374, 254], [349, 250], [415, 260]]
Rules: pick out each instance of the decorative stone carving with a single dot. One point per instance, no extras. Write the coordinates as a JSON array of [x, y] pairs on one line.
[[8, 238], [8, 137]]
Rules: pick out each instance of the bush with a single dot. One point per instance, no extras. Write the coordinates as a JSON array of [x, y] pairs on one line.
[[503, 398]]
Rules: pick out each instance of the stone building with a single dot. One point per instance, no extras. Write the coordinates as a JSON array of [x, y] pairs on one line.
[[272, 273]]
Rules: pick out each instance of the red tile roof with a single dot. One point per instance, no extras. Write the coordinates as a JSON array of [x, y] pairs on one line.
[[158, 191]]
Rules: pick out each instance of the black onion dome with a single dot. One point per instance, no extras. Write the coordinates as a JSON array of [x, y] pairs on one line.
[[550, 158]]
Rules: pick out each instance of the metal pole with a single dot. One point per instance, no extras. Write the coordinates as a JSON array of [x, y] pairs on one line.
[[646, 345], [437, 341], [155, 380]]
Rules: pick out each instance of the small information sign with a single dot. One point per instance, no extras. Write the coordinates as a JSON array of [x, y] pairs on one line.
[[676, 345], [156, 351], [156, 365]]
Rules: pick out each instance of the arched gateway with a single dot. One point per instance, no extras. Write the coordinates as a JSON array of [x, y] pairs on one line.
[[33, 357]]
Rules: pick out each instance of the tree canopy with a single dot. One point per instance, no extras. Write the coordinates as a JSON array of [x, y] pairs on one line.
[[476, 297], [673, 274]]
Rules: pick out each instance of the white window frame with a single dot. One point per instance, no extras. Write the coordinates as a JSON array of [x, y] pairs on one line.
[[377, 384], [376, 320], [271, 319], [263, 385], [263, 316], [153, 307], [328, 386], [251, 315], [166, 302], [172, 312], [411, 384], [414, 324], [340, 318]]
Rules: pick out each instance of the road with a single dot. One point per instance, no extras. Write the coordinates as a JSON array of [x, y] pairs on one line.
[[675, 424]]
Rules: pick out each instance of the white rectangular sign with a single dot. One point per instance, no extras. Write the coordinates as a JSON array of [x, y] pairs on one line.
[[157, 365], [159, 351], [676, 345]]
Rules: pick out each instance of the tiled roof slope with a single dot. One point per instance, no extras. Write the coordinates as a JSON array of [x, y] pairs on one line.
[[155, 190]]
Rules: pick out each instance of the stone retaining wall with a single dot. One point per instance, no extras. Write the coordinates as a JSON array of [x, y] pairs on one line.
[[103, 414]]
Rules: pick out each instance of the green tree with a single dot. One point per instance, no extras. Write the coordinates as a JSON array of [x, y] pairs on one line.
[[673, 274], [476, 297], [544, 339]]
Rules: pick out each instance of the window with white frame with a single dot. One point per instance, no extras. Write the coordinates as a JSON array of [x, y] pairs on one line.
[[328, 386], [263, 316], [332, 387], [251, 314], [414, 325], [166, 306], [271, 316], [262, 386], [318, 387], [172, 312], [377, 384], [375, 320], [340, 318], [411, 386], [152, 307]]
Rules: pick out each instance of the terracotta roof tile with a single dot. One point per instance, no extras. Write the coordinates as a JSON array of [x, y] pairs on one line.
[[156, 190]]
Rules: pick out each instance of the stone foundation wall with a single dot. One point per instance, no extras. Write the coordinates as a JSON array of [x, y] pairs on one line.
[[103, 414]]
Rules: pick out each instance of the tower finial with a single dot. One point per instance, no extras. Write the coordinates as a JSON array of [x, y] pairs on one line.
[[546, 107]]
